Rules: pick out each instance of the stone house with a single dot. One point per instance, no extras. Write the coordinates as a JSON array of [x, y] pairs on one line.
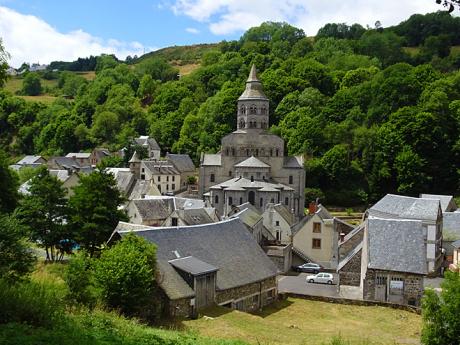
[[278, 220], [68, 163], [97, 155], [426, 210], [69, 181], [163, 174], [316, 238], [188, 216], [184, 164], [198, 268], [150, 212], [251, 165], [251, 218], [151, 145], [393, 261]]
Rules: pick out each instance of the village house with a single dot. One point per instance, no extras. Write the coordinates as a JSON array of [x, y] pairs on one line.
[[426, 210], [69, 181], [150, 212], [151, 145], [188, 216], [163, 174], [278, 220], [198, 267], [251, 218], [82, 158], [251, 165], [29, 161], [98, 154], [67, 163], [316, 237], [184, 164], [455, 266]]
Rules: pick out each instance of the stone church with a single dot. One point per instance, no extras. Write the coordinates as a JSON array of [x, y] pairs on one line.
[[251, 165]]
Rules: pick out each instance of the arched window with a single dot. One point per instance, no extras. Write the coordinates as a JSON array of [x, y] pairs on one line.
[[216, 199], [277, 152], [291, 179], [242, 110], [242, 124], [252, 109], [252, 178]]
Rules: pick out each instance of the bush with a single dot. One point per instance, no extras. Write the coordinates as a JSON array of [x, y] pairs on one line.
[[125, 275], [79, 279], [311, 194], [31, 85], [28, 302]]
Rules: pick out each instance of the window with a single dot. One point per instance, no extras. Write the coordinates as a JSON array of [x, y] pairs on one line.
[[243, 110], [272, 200], [230, 173], [257, 152], [174, 221], [142, 177], [167, 187], [230, 200], [167, 178], [291, 179], [241, 201], [216, 199], [173, 178], [143, 170], [233, 151], [271, 152], [159, 188], [252, 178], [317, 228], [286, 201], [261, 202], [278, 235], [226, 151], [277, 223], [173, 186], [253, 109], [212, 178], [277, 152], [247, 152], [316, 243], [159, 178]]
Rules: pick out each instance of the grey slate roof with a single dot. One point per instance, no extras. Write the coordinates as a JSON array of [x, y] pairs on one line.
[[188, 203], [213, 159], [447, 201], [192, 265], [134, 158], [253, 87], [124, 178], [145, 140], [183, 163], [157, 208], [142, 189], [405, 207], [248, 217], [456, 244], [284, 212], [293, 162], [195, 216], [252, 162], [241, 183], [84, 155], [160, 168], [396, 245], [226, 245], [451, 225], [321, 211], [29, 160], [64, 162]]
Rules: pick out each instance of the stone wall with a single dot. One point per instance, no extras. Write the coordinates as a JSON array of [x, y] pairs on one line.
[[179, 308], [248, 297], [350, 274]]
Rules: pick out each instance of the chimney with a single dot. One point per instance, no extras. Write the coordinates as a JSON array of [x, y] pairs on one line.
[[342, 236], [312, 207]]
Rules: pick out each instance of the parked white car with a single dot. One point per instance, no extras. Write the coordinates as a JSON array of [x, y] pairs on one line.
[[325, 278]]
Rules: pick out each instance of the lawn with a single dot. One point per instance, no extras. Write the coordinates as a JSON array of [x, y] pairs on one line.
[[297, 321]]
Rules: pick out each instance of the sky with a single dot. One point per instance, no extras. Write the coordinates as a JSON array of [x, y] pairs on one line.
[[41, 31]]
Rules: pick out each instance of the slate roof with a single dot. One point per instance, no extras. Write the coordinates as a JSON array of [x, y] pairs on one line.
[[183, 163], [134, 158], [396, 245], [84, 155], [293, 162], [241, 183], [61, 175], [254, 88], [157, 208], [446, 201], [213, 159], [226, 245], [29, 160], [284, 212], [142, 189], [195, 216], [145, 140], [64, 162], [451, 225], [124, 178], [188, 203], [252, 162], [160, 168], [405, 207], [192, 265], [456, 244], [248, 216]]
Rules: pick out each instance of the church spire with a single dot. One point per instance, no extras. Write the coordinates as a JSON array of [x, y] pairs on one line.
[[254, 88], [253, 75]]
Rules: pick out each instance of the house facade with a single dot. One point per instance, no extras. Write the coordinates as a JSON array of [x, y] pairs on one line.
[[151, 145], [278, 220], [184, 164], [251, 165], [163, 174]]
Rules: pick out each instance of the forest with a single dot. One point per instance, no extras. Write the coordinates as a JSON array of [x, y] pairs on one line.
[[373, 110]]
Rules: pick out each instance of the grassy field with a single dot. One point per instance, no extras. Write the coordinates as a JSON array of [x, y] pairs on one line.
[[297, 321], [14, 84]]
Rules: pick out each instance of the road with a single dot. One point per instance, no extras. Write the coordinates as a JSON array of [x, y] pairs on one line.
[[298, 284]]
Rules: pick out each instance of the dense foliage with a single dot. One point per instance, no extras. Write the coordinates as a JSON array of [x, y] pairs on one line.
[[374, 110], [441, 313]]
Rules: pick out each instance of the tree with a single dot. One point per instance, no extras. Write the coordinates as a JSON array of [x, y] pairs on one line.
[[31, 84], [8, 186], [79, 279], [94, 210], [3, 64], [44, 211], [126, 275], [441, 321], [16, 258]]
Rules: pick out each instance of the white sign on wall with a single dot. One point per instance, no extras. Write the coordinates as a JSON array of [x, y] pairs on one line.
[[396, 284]]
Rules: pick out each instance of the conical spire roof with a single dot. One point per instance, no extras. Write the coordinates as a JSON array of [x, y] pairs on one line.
[[254, 88], [134, 158]]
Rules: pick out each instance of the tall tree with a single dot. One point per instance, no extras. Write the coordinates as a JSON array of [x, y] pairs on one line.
[[94, 209], [9, 184], [44, 211]]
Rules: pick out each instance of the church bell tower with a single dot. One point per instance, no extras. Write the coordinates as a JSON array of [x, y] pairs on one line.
[[253, 105]]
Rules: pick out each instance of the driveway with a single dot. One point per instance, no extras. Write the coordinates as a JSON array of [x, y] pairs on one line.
[[298, 284]]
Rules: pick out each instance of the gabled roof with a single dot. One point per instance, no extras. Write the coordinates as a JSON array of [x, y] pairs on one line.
[[396, 245], [142, 189], [456, 244], [80, 155], [64, 162], [243, 262], [322, 212], [134, 158], [284, 212], [183, 163], [451, 225], [145, 140], [186, 203], [29, 160], [293, 162], [153, 209], [124, 178], [405, 207], [213, 159], [195, 216], [241, 183], [447, 201], [248, 217], [252, 162], [160, 168]]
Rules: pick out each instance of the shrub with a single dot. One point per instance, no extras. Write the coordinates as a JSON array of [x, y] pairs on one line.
[[28, 302], [125, 274], [79, 279]]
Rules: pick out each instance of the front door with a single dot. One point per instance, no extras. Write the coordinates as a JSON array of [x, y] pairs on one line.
[[381, 288]]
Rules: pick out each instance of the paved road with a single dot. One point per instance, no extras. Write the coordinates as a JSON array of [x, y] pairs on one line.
[[298, 284]]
